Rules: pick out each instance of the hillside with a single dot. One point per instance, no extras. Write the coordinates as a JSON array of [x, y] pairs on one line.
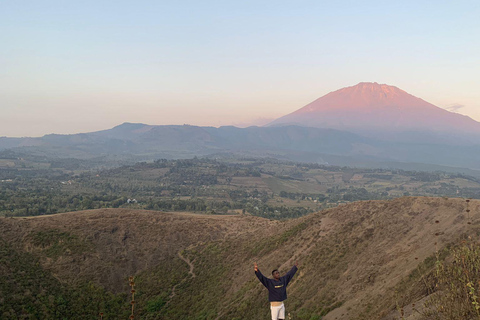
[[187, 266]]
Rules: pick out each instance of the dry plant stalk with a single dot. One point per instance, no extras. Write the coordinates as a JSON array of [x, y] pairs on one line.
[[132, 291]]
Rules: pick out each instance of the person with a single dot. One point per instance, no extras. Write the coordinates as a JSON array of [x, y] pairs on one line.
[[277, 289]]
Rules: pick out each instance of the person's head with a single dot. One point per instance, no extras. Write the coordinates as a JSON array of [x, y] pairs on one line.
[[276, 274]]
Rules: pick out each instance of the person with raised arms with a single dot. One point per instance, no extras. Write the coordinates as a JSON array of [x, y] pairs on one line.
[[277, 289]]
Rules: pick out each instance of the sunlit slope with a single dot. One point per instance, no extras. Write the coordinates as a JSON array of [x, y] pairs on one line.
[[371, 106], [187, 266]]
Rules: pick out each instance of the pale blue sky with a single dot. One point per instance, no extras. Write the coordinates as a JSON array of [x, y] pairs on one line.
[[68, 67]]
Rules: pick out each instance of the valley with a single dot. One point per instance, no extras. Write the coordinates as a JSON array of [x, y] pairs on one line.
[[268, 188]]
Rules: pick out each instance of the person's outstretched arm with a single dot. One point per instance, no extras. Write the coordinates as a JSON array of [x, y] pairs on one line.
[[259, 275], [291, 273]]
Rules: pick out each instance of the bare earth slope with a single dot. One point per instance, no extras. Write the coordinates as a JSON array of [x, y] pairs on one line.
[[352, 258]]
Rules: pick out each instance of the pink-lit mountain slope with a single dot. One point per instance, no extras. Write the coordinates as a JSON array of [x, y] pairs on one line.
[[374, 107]]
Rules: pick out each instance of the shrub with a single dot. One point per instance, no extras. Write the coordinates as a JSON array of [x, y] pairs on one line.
[[457, 286]]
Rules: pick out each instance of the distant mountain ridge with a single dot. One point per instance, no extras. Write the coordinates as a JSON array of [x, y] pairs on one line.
[[134, 138], [141, 142], [373, 107]]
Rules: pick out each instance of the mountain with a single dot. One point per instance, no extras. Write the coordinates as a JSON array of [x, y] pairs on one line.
[[133, 142], [364, 260], [372, 108], [188, 141]]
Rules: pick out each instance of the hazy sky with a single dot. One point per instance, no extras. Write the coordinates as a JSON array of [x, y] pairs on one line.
[[81, 66]]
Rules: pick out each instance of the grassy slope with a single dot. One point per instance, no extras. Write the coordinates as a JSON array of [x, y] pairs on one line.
[[352, 258]]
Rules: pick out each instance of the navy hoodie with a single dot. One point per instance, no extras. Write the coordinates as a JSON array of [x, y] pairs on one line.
[[277, 290]]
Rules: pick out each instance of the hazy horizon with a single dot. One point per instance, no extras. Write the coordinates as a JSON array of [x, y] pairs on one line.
[[82, 67]]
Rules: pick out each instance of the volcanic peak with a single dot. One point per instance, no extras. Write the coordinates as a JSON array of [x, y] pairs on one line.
[[366, 95], [373, 87], [369, 106]]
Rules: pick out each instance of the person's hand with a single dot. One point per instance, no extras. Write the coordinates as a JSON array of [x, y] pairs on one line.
[[255, 266], [296, 264]]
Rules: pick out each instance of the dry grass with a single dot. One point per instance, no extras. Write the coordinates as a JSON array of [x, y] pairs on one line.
[[352, 258]]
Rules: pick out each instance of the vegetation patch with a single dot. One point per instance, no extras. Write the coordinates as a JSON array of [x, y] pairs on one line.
[[27, 291], [269, 244], [156, 304], [55, 243], [457, 285]]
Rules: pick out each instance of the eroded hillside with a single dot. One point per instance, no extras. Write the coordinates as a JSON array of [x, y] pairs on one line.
[[353, 259]]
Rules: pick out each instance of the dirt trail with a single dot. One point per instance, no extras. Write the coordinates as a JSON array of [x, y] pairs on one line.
[[190, 264]]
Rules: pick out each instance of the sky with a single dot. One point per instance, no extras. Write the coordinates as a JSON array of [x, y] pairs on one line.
[[81, 66]]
